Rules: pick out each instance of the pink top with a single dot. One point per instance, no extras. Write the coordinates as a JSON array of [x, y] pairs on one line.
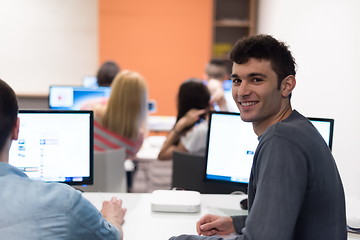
[[105, 139]]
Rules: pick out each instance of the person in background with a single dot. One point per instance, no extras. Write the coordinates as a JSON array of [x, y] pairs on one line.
[[217, 75], [219, 69], [190, 130], [295, 190], [121, 123], [107, 73], [104, 78], [37, 210]]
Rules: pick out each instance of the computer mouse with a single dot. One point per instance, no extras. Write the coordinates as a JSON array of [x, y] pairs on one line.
[[244, 204]]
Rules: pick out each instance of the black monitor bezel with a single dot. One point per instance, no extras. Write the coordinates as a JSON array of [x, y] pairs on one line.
[[332, 122], [86, 180]]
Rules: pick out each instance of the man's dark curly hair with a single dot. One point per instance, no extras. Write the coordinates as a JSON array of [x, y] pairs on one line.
[[265, 47]]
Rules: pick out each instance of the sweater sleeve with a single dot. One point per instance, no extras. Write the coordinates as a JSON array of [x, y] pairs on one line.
[[280, 179], [239, 223]]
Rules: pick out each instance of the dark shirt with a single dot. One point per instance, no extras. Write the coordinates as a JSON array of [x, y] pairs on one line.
[[295, 191]]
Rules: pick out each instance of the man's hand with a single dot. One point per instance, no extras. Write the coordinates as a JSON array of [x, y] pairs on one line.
[[210, 225], [113, 212]]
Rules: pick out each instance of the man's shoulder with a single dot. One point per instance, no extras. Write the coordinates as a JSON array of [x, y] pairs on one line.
[[295, 126], [53, 195], [59, 193]]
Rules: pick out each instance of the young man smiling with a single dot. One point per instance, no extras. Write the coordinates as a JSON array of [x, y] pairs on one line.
[[295, 191]]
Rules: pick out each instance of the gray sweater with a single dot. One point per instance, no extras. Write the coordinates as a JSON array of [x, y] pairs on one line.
[[295, 191]]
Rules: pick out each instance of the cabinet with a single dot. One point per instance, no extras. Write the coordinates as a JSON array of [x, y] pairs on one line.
[[232, 20]]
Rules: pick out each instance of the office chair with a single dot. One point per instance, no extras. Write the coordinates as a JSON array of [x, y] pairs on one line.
[[188, 174], [109, 172], [188, 171]]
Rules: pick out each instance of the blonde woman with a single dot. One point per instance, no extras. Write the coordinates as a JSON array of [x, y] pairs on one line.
[[121, 123]]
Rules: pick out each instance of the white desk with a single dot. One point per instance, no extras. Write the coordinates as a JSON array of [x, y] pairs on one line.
[[150, 148], [141, 222], [161, 123]]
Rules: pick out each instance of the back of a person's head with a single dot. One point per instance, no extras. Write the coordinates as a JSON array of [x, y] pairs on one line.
[[265, 47], [8, 112], [218, 69], [192, 94], [127, 105], [106, 73]]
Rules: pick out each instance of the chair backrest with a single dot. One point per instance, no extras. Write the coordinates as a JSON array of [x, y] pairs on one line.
[[109, 172], [188, 171], [188, 174]]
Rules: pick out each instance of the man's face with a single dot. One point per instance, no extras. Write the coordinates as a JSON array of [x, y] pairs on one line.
[[256, 93]]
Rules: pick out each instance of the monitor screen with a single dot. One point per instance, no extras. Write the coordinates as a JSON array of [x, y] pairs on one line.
[[325, 126], [90, 81], [55, 146], [76, 97], [232, 143], [82, 98]]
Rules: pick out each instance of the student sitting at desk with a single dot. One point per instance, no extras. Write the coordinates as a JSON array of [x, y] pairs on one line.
[[190, 130], [105, 76], [107, 73], [295, 190], [35, 210], [217, 75], [121, 123]]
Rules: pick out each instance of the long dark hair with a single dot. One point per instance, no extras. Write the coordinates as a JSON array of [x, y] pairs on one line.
[[193, 93]]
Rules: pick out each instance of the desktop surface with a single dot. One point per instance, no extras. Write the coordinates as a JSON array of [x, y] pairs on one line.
[[141, 222]]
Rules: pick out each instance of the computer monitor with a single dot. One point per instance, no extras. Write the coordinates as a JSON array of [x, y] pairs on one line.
[[231, 146], [55, 146], [325, 126], [90, 81], [80, 98], [75, 97]]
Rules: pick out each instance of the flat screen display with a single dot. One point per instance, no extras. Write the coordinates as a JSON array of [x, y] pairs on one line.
[[82, 98], [90, 81], [55, 146], [76, 97], [232, 143]]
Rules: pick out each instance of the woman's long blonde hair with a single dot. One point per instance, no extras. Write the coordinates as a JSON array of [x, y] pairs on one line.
[[127, 106]]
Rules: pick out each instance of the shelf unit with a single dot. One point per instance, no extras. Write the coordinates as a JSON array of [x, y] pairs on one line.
[[232, 20]]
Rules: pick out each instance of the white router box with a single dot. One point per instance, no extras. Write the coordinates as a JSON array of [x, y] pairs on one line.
[[175, 201]]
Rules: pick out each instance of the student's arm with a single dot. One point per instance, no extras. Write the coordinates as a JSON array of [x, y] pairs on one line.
[[172, 142], [217, 94], [114, 213], [84, 221], [170, 145]]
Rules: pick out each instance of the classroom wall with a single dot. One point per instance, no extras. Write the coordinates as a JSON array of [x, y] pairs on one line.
[[45, 42], [166, 41], [324, 37]]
